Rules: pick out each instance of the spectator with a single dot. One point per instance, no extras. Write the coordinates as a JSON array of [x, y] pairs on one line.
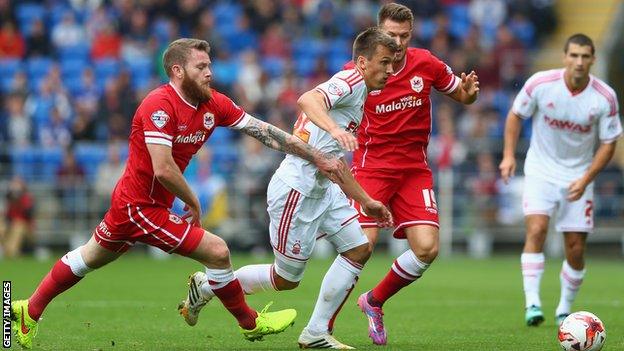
[[106, 44], [19, 125], [108, 173], [55, 132], [19, 220], [12, 43], [68, 33], [38, 42], [71, 190]]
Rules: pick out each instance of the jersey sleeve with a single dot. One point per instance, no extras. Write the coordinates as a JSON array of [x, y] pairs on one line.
[[609, 124], [446, 81], [158, 120], [230, 114], [525, 103], [335, 90]]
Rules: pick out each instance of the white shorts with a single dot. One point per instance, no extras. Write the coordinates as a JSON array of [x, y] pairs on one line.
[[543, 197], [298, 221]]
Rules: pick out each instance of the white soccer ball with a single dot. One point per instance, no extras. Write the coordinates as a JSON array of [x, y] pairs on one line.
[[582, 331]]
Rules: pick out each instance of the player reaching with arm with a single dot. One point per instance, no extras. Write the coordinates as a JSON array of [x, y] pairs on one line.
[[304, 205], [391, 161], [572, 112], [169, 127]]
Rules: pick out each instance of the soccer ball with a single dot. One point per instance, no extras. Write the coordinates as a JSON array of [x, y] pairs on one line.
[[582, 331]]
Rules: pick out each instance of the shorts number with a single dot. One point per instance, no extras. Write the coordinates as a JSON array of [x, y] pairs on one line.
[[429, 198]]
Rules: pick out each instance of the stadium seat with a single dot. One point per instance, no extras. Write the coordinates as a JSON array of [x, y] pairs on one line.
[[225, 71], [90, 156], [105, 69], [71, 68], [8, 68], [304, 66], [38, 67], [76, 52], [273, 66], [27, 13]]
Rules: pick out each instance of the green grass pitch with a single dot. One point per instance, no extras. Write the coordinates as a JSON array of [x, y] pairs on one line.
[[460, 304]]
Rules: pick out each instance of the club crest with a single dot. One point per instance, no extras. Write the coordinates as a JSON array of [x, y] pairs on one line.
[[335, 89], [208, 120], [417, 84], [175, 219], [160, 118]]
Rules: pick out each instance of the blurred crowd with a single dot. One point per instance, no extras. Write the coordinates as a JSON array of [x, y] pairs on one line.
[[73, 71]]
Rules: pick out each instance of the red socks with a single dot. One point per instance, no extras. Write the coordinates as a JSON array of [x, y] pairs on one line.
[[233, 299], [390, 285], [59, 279]]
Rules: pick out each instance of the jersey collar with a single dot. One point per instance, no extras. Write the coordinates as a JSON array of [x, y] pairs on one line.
[[180, 96]]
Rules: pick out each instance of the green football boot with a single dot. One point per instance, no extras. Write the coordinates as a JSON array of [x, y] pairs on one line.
[[270, 323], [24, 328]]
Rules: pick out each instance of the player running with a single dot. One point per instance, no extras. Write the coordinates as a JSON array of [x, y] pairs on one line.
[[391, 162], [573, 112], [304, 205], [169, 127]]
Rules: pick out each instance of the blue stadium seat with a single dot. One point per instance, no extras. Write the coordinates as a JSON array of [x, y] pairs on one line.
[[76, 52], [8, 68], [273, 66], [38, 67], [90, 156], [307, 47], [336, 62], [105, 69], [225, 71], [50, 160], [27, 13], [304, 65], [72, 68], [141, 71]]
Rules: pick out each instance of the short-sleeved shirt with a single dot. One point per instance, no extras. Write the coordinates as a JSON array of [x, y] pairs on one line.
[[165, 118], [566, 125], [396, 126], [344, 96]]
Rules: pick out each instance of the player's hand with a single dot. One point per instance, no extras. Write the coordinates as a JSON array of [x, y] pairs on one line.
[[193, 215], [378, 211], [346, 140], [576, 189], [507, 168], [332, 168], [470, 83]]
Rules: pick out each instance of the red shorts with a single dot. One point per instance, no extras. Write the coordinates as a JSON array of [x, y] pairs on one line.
[[408, 193], [123, 225]]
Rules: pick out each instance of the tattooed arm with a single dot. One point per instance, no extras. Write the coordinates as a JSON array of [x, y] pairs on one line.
[[277, 139]]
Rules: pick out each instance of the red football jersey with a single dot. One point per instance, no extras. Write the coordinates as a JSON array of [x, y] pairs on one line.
[[396, 126], [165, 118]]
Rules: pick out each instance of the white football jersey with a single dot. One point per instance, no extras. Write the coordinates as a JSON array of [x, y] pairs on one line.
[[566, 125], [344, 96]]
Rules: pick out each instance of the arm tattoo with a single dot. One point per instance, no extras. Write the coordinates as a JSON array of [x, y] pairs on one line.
[[277, 139]]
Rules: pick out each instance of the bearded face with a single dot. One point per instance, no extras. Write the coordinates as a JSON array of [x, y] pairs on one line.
[[195, 91]]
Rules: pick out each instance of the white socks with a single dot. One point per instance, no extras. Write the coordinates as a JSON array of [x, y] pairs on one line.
[[571, 281], [532, 270], [252, 278], [408, 266], [336, 287], [75, 262], [218, 278]]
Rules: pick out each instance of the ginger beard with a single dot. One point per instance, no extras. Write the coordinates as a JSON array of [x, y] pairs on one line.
[[194, 91]]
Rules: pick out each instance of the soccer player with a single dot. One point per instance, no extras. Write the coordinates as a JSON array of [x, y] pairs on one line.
[[391, 161], [304, 205], [573, 113], [169, 127]]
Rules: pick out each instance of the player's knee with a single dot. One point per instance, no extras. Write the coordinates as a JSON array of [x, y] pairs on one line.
[[359, 254], [427, 253], [220, 254], [284, 284], [535, 231]]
